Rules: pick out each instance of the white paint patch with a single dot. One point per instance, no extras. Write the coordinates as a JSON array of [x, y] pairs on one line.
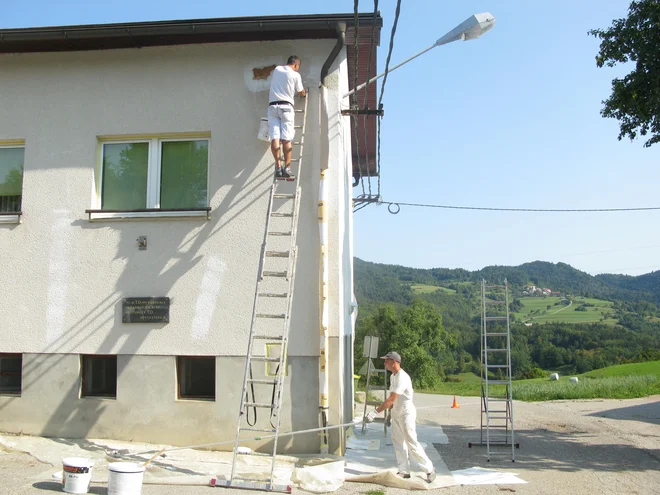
[[207, 298], [58, 275]]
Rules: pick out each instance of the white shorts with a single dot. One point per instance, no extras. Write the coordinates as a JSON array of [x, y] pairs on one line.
[[280, 122]]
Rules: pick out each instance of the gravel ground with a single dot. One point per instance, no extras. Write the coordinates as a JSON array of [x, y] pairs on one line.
[[570, 447]]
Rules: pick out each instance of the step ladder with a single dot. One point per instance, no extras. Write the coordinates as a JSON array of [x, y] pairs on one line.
[[271, 320], [497, 430]]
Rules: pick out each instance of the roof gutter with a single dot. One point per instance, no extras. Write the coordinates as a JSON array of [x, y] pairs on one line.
[[341, 41]]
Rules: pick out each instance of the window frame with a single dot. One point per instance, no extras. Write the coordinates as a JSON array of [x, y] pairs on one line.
[[5, 355], [14, 217], [179, 372], [154, 177], [84, 379]]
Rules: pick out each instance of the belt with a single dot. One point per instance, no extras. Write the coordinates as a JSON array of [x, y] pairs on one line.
[[279, 103]]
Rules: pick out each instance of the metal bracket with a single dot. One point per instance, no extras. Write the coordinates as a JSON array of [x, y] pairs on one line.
[[365, 111]]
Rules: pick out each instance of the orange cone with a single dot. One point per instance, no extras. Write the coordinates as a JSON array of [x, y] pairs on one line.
[[455, 404]]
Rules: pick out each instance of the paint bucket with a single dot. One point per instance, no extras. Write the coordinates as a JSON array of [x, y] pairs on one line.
[[125, 478], [76, 474], [263, 130]]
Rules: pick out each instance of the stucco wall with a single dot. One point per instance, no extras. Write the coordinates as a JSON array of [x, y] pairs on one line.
[[69, 275]]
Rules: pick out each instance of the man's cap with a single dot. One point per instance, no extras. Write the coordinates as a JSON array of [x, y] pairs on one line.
[[392, 355]]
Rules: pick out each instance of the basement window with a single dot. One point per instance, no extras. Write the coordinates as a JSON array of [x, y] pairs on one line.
[[196, 377], [99, 376], [11, 371]]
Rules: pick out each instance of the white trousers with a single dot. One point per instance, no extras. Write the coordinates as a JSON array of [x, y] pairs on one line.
[[406, 446]]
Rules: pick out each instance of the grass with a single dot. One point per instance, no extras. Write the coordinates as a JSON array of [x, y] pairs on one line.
[[535, 310], [613, 387], [374, 492], [428, 289], [622, 381]]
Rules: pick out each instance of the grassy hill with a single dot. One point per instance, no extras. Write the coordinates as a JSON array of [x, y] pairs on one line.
[[552, 309]]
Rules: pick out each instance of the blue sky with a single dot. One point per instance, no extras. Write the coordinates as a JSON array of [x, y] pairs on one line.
[[509, 120]]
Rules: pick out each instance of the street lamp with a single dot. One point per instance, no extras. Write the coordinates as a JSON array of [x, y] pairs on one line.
[[470, 29]]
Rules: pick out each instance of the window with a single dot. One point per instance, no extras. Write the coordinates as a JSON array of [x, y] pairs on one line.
[[165, 177], [11, 182], [11, 370], [196, 377], [99, 376]]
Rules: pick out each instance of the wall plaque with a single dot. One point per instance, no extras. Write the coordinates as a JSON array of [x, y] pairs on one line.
[[145, 310]]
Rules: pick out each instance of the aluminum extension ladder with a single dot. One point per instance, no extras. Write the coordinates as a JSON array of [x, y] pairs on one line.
[[271, 320], [496, 406], [378, 388]]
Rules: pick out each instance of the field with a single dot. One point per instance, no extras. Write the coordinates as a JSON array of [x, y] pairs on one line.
[[615, 382], [427, 289], [535, 310]]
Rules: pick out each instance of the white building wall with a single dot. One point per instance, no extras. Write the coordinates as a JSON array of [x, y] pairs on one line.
[[68, 275]]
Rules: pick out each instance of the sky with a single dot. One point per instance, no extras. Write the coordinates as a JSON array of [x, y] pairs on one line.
[[510, 120]]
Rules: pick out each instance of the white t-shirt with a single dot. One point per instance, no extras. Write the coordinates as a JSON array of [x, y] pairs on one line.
[[401, 384], [284, 84]]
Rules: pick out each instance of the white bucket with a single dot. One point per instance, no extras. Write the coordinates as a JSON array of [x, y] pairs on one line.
[[125, 478], [263, 131], [76, 474]]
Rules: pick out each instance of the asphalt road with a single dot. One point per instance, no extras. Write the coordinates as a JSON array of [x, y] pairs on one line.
[[568, 447]]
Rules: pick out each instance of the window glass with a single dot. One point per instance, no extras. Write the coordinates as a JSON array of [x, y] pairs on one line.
[[11, 370], [11, 179], [196, 377], [125, 167], [184, 166], [99, 376]]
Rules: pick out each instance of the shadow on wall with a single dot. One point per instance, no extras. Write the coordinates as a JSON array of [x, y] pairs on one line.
[[159, 269]]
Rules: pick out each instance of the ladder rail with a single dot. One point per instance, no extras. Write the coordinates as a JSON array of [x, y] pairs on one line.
[[248, 362], [283, 333]]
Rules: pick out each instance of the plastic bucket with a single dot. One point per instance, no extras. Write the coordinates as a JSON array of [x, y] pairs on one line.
[[76, 474], [125, 478], [262, 135]]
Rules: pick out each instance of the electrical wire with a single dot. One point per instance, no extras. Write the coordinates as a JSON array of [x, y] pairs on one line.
[[484, 208]]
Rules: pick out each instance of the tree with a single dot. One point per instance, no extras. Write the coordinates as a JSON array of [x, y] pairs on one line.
[[635, 99]]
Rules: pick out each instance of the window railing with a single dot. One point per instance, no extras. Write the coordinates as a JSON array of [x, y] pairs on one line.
[[10, 205]]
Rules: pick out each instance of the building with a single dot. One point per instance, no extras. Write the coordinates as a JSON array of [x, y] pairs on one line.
[[102, 122]]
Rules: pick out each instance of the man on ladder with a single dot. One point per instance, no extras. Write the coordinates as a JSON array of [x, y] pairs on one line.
[[285, 84]]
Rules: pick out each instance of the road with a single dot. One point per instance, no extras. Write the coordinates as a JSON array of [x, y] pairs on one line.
[[570, 447]]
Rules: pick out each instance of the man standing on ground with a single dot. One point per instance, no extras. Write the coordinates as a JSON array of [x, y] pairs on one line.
[[404, 416], [284, 85]]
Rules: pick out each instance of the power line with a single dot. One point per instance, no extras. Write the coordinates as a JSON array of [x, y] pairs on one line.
[[394, 208]]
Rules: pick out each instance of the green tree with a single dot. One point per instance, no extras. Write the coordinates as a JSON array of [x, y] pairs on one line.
[[417, 334], [635, 99]]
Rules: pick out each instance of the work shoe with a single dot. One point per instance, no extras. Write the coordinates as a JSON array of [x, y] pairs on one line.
[[278, 172], [430, 477], [405, 476], [287, 174]]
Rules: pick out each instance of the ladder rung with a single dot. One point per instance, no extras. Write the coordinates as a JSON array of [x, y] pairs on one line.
[[497, 366], [274, 316], [260, 380], [274, 274], [264, 358], [297, 127], [272, 294], [499, 334], [497, 426], [258, 454], [497, 411], [490, 417], [497, 400], [374, 402], [299, 111], [497, 382], [277, 254], [267, 337], [378, 370], [263, 430], [281, 215], [295, 160], [259, 404], [283, 196], [496, 318], [255, 480], [279, 233]]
